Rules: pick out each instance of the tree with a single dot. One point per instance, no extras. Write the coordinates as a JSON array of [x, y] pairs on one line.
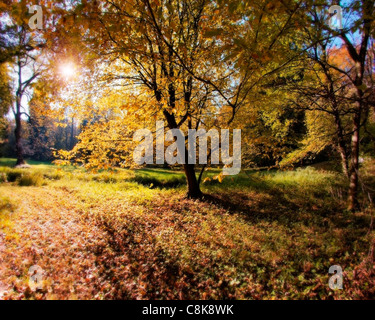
[[357, 49], [323, 90], [195, 61], [23, 47], [361, 96], [5, 97], [25, 63], [41, 126], [337, 82]]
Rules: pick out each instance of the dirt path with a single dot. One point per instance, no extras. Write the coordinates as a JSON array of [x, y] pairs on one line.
[[47, 231]]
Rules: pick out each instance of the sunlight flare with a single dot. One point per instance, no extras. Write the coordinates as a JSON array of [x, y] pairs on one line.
[[67, 70]]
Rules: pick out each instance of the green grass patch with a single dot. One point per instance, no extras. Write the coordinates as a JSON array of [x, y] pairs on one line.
[[11, 162], [158, 178]]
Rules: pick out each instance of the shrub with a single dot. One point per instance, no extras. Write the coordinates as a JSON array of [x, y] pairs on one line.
[[30, 179], [14, 175], [3, 177], [105, 177], [54, 175]]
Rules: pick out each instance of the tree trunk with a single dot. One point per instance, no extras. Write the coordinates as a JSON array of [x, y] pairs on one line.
[[72, 135], [341, 146], [18, 136], [344, 161], [194, 192], [353, 186], [17, 116]]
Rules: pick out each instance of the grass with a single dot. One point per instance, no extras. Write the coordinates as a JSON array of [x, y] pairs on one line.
[[132, 235], [24, 177], [6, 210], [30, 179], [159, 178], [10, 162]]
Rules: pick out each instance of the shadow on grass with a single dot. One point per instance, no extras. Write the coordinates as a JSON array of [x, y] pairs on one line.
[[287, 204], [159, 179], [136, 266]]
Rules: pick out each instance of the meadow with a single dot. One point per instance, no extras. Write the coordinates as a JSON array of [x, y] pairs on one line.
[[131, 234]]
